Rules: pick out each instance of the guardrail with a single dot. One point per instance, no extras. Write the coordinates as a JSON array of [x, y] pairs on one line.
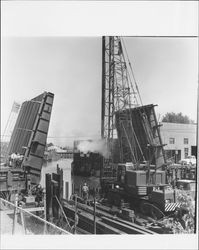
[[18, 220]]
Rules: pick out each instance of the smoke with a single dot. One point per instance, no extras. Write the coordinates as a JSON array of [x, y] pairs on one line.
[[98, 146]]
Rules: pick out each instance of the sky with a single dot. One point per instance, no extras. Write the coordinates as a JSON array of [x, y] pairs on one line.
[[70, 67], [165, 68]]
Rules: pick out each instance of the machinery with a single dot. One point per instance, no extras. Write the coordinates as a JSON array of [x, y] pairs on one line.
[[22, 171], [145, 191], [143, 182], [190, 160]]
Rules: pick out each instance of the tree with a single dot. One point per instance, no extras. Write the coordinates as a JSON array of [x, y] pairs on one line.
[[176, 118], [185, 221]]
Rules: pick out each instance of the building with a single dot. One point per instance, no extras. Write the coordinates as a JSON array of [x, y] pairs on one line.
[[55, 153], [180, 140]]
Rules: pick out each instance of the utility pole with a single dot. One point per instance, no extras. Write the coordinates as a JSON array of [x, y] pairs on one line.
[[15, 214], [94, 211]]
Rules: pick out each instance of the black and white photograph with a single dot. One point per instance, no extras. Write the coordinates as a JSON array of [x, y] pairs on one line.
[[99, 125]]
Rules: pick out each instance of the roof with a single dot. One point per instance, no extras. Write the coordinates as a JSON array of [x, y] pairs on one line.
[[176, 126]]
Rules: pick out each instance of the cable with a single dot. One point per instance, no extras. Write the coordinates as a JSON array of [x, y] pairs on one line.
[[129, 142], [132, 72], [128, 79]]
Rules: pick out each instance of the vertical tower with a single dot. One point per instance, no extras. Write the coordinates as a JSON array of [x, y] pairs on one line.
[[121, 99], [117, 90]]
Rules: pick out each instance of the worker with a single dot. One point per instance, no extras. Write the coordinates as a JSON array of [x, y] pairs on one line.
[[13, 158], [18, 160], [133, 217], [85, 191], [10, 161], [39, 194]]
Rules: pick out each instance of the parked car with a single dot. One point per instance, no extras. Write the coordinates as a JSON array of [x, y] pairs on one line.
[[190, 160]]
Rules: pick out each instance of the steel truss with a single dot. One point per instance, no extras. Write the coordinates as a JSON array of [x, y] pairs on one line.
[[117, 90]]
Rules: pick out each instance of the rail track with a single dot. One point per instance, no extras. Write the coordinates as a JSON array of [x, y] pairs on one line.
[[105, 222]]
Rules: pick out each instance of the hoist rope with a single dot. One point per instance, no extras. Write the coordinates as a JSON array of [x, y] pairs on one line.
[[132, 71], [128, 140], [135, 136]]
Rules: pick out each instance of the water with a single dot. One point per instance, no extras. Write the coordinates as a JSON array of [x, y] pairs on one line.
[[65, 164]]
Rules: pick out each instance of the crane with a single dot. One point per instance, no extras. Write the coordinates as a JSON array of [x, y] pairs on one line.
[[120, 95], [118, 92], [124, 119]]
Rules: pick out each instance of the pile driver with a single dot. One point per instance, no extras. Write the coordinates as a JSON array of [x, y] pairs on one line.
[[139, 177]]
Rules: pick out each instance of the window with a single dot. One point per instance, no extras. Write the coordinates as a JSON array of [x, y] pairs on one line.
[[171, 140], [186, 141], [186, 152]]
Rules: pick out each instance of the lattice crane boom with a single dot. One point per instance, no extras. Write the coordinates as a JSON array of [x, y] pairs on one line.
[[118, 92], [120, 97]]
